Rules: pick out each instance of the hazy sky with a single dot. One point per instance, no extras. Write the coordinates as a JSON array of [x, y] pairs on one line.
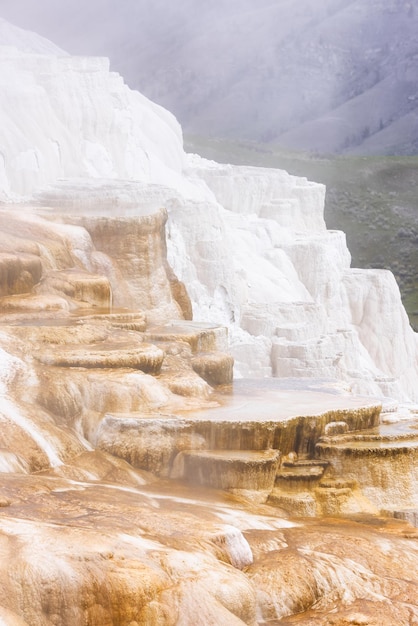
[[323, 75]]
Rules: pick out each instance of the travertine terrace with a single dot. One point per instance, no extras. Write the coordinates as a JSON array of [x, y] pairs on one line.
[[140, 482], [135, 481]]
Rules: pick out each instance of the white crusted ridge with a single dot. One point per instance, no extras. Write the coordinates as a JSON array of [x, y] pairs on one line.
[[294, 305], [65, 117]]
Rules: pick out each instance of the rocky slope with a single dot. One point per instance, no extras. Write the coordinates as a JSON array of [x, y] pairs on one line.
[[336, 76]]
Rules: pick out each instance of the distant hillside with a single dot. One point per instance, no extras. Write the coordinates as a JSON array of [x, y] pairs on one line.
[[328, 76]]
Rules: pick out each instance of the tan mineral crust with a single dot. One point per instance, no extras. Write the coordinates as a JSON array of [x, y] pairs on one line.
[[142, 485]]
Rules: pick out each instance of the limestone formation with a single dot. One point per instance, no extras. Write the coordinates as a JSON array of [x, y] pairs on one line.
[[230, 469], [141, 483], [248, 247]]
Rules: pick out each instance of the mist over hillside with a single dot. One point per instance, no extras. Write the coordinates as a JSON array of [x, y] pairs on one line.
[[329, 76]]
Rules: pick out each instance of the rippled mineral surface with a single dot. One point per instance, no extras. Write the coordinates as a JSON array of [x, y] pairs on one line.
[[141, 484]]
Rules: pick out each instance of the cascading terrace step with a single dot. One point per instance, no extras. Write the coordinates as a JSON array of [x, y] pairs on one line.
[[113, 353], [297, 503], [295, 484], [92, 342], [393, 436], [77, 285], [234, 442], [122, 320], [53, 293], [202, 337], [301, 474], [374, 460], [208, 345], [327, 497], [228, 469]]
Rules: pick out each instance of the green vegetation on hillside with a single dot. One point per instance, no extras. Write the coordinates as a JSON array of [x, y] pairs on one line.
[[374, 200]]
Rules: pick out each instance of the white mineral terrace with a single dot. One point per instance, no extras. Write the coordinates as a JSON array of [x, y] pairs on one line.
[[283, 399]]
